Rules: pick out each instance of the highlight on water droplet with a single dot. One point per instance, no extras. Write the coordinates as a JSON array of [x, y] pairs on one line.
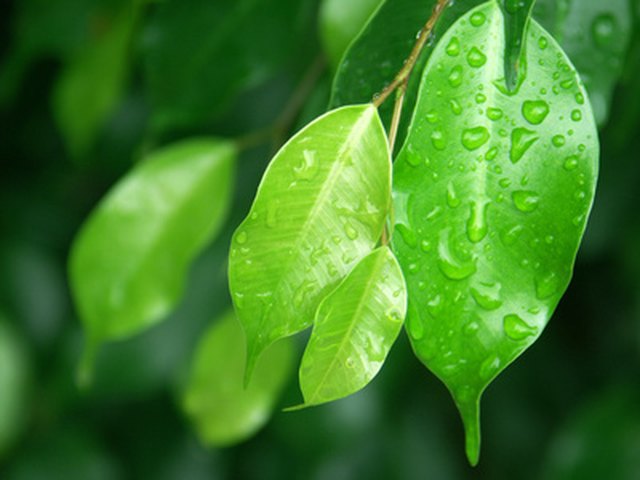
[[487, 296], [477, 223], [452, 198], [474, 138], [517, 329], [308, 168], [558, 141], [477, 19]]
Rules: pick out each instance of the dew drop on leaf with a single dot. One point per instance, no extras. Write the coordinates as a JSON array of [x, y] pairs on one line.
[[516, 328], [535, 111], [474, 138], [476, 58], [522, 139], [525, 201]]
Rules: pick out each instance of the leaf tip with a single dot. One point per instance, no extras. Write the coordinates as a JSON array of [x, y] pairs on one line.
[[296, 408], [470, 413]]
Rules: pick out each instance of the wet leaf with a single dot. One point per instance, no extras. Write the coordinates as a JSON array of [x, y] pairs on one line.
[[223, 411], [320, 208], [516, 18], [129, 261], [595, 35], [354, 329], [492, 190]]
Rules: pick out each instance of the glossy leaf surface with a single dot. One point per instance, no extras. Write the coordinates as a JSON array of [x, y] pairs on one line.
[[340, 23], [491, 191], [354, 329], [320, 208], [595, 34], [516, 18], [223, 411], [129, 261], [14, 377]]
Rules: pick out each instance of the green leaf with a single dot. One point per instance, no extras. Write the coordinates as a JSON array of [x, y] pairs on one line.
[[14, 381], [376, 56], [491, 193], [354, 329], [517, 14], [320, 208], [223, 411], [200, 53], [595, 35], [340, 23], [129, 261], [90, 86]]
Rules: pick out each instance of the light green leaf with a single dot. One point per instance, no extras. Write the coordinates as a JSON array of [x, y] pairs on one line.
[[223, 411], [354, 329], [90, 86], [517, 14], [320, 208], [129, 261], [491, 192], [14, 381], [340, 23], [595, 35]]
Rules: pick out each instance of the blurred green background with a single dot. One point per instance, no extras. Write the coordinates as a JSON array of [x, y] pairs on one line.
[[88, 87]]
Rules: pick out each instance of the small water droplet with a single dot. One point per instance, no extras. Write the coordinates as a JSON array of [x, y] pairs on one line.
[[477, 223], [522, 140], [535, 111], [350, 231], [474, 138], [571, 162], [487, 296], [579, 98], [456, 108], [415, 326], [426, 246], [471, 328], [452, 198], [476, 58], [453, 49], [489, 367], [455, 77], [408, 235], [558, 141], [241, 238], [477, 19], [525, 200], [438, 140], [576, 115], [432, 116], [505, 182], [543, 43], [491, 154], [516, 328], [481, 98], [308, 168], [303, 291], [547, 286]]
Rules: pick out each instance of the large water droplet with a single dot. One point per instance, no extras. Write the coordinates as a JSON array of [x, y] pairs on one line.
[[450, 265], [455, 77], [487, 295], [517, 329], [476, 58], [453, 49], [474, 138], [522, 140], [308, 168], [525, 200], [535, 111], [477, 223], [547, 286]]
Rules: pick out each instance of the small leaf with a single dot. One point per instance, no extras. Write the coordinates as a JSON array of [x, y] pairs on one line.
[[129, 261], [340, 23], [14, 381], [491, 202], [320, 208], [222, 410], [354, 329], [595, 35]]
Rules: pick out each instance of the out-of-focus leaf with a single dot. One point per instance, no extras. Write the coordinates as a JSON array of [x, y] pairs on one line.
[[595, 34], [320, 208], [485, 247], [223, 411], [340, 23], [601, 441], [128, 263], [14, 381], [355, 327], [199, 53], [89, 88]]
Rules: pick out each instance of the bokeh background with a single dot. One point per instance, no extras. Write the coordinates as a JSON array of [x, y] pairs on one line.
[[88, 87]]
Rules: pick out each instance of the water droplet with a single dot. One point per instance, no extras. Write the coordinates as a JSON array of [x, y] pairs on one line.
[[494, 113], [413, 158], [394, 316], [451, 266], [456, 108], [432, 116], [474, 138], [452, 198], [351, 232], [535, 111], [241, 238], [603, 29], [477, 19], [481, 98], [415, 326], [453, 49], [455, 77], [558, 141], [513, 6], [408, 235], [489, 367], [476, 58], [571, 162], [301, 294], [487, 296], [350, 363], [413, 268], [435, 306], [437, 139], [491, 154], [547, 286], [505, 182], [510, 237], [516, 328], [426, 246], [471, 328], [477, 222], [579, 98], [525, 200], [522, 140], [308, 168], [543, 43], [576, 115]]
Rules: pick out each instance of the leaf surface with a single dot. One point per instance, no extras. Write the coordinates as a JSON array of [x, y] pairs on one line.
[[595, 34], [129, 261], [223, 411], [492, 190], [354, 329], [320, 208]]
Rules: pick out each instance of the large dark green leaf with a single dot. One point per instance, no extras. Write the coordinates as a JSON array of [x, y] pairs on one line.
[[354, 329], [320, 208], [492, 190], [223, 411], [595, 34], [200, 53], [128, 263]]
